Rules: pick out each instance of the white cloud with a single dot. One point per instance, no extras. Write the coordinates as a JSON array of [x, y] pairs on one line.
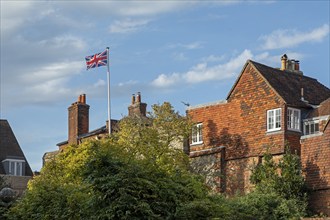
[[164, 81], [99, 83], [189, 46], [128, 83], [180, 56], [202, 72], [275, 60], [192, 46], [53, 71], [128, 25], [291, 38], [143, 8], [9, 11], [213, 58]]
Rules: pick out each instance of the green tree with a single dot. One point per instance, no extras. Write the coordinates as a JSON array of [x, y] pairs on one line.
[[59, 192], [130, 189], [158, 138], [98, 180], [136, 173], [280, 189]]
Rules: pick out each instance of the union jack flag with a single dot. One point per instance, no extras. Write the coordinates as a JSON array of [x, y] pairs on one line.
[[96, 60]]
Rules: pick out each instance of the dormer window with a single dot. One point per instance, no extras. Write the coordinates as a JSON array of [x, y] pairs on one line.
[[311, 127], [293, 120], [14, 167]]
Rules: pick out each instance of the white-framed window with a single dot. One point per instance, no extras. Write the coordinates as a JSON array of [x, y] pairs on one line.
[[14, 167], [274, 119], [311, 127], [293, 119], [197, 134]]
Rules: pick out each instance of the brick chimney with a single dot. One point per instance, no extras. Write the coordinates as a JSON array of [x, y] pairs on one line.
[[137, 108], [78, 119]]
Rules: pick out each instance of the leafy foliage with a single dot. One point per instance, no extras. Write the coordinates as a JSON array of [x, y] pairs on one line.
[[283, 183], [135, 174], [157, 139], [130, 189], [138, 173]]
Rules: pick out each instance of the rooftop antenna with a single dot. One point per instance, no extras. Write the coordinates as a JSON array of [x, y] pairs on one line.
[[185, 103]]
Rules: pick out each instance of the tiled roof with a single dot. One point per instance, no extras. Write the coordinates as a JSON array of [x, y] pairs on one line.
[[9, 147], [288, 85]]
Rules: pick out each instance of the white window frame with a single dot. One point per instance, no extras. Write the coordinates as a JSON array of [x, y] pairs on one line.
[[13, 166], [310, 124], [197, 134], [293, 119], [274, 119]]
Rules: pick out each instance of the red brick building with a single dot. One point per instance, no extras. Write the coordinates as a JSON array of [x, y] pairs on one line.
[[266, 109]]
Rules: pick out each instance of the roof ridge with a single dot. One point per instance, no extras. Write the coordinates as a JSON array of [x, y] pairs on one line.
[[284, 71]]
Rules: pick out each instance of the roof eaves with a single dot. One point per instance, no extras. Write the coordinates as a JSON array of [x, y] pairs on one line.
[[94, 132], [62, 143]]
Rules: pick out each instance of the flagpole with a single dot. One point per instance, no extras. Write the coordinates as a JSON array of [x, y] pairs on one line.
[[109, 104]]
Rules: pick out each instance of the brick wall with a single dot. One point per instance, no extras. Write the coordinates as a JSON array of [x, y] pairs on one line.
[[240, 124], [319, 201], [315, 158]]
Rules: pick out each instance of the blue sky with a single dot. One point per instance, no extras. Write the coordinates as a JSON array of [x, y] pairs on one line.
[[190, 51]]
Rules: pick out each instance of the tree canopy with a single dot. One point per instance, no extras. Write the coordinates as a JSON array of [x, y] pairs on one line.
[[140, 172], [134, 174]]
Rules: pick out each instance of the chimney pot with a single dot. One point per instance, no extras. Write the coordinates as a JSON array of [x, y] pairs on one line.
[[296, 65], [138, 97], [284, 58], [133, 99], [83, 98]]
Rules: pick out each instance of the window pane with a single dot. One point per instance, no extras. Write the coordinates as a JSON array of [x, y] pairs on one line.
[[307, 129], [270, 119], [18, 169], [312, 128], [317, 127], [278, 118], [289, 118], [196, 136], [200, 136], [296, 120], [12, 168]]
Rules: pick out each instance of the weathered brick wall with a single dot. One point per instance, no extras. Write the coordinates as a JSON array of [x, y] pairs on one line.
[[78, 120], [292, 139], [319, 202], [238, 173], [241, 126], [315, 158]]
